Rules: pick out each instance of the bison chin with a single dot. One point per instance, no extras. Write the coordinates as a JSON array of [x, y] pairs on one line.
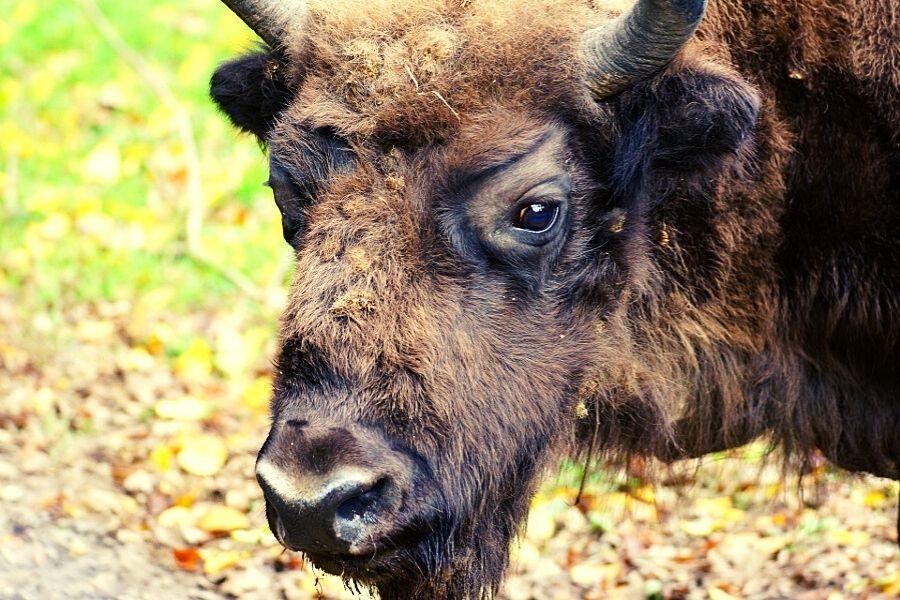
[[363, 505], [428, 553], [465, 554], [482, 506]]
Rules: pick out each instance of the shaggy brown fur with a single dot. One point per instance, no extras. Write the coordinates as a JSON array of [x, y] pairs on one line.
[[728, 266]]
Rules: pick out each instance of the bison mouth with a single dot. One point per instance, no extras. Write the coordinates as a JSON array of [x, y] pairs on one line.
[[401, 549], [380, 560]]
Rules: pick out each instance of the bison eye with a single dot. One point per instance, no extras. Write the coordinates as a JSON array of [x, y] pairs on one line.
[[290, 199], [537, 217]]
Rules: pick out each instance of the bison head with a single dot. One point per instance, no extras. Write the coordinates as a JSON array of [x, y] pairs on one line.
[[477, 193]]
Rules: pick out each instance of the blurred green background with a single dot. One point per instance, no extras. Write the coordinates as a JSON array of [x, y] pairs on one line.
[[108, 151]]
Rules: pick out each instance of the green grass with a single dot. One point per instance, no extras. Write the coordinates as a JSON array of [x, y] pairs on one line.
[[72, 233]]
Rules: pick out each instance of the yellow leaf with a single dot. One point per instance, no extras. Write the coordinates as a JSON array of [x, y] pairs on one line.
[[203, 456], [889, 584], [187, 499], [136, 359], [182, 409], [91, 330], [844, 537], [771, 491], [541, 524], [17, 259], [103, 164], [160, 336], [161, 458], [715, 507], [772, 545], [98, 225], [216, 561], [874, 499], [249, 536], [17, 141], [223, 518], [699, 527], [615, 503], [644, 493], [256, 396], [196, 361], [174, 516]]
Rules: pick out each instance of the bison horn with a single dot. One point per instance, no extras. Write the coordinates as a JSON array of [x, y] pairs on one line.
[[638, 43], [270, 19]]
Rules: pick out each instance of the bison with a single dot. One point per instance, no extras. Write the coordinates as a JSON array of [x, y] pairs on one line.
[[531, 227]]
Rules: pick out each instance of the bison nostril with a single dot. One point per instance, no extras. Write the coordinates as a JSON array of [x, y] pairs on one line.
[[363, 505]]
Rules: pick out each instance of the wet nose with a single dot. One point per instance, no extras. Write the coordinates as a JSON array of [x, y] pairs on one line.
[[322, 493]]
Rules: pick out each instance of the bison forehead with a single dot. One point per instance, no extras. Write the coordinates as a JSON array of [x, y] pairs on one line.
[[395, 68]]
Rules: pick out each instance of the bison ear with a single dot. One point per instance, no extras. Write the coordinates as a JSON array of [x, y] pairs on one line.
[[252, 90], [688, 119]]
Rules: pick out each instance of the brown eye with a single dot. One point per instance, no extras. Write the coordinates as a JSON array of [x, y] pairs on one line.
[[537, 217]]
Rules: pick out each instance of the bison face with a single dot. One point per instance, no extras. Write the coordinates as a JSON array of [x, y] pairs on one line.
[[431, 349], [470, 212]]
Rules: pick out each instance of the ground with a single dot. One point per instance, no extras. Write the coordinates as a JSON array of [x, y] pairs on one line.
[[141, 275]]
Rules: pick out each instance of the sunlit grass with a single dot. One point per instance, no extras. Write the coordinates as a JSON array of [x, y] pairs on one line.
[[93, 169]]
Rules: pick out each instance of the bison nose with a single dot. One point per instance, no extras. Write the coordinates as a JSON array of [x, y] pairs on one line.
[[316, 504]]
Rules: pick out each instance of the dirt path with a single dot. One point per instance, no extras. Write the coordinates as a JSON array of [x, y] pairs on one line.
[[43, 559]]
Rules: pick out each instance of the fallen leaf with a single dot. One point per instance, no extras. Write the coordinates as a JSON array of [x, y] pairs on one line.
[[187, 559], [90, 330], [249, 536], [182, 409], [772, 545], [644, 493], [174, 516], [203, 455], [874, 499], [216, 561], [713, 506], [195, 363], [541, 523], [848, 538], [719, 594], [256, 396], [524, 554], [889, 584], [223, 519], [699, 527], [161, 457]]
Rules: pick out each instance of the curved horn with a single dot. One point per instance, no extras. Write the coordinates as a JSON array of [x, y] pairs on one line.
[[639, 43], [270, 19]]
